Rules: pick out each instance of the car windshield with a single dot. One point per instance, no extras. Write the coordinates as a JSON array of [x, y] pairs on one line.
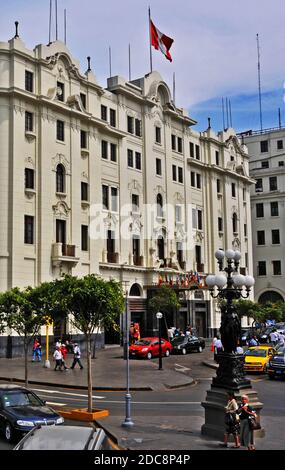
[[281, 351], [142, 342], [20, 398], [255, 352], [178, 340]]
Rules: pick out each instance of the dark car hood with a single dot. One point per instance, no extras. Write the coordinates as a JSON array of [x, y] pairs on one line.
[[280, 359], [32, 412]]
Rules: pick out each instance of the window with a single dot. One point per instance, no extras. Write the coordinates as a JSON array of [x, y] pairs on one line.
[[113, 117], [84, 191], [273, 183], [113, 152], [157, 135], [199, 220], [130, 158], [29, 81], [60, 91], [179, 251], [60, 231], [194, 218], [265, 164], [60, 130], [192, 150], [110, 244], [232, 158], [103, 112], [244, 194], [245, 230], [197, 151], [158, 166], [198, 179], [220, 224], [261, 237], [217, 158], [60, 178], [136, 248], [180, 174], [259, 210], [274, 209], [174, 176], [258, 186], [281, 163], [261, 269], [279, 144], [179, 144], [275, 237], [104, 149], [83, 139], [29, 178], [130, 124], [173, 142], [138, 127], [138, 161], [178, 213], [84, 237], [264, 146], [29, 124], [105, 197], [193, 179], [83, 100], [135, 203], [234, 221], [276, 268], [29, 229], [246, 259], [233, 190], [114, 199], [159, 203], [218, 186]]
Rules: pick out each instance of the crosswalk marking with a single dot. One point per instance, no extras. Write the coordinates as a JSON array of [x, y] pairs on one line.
[[66, 393]]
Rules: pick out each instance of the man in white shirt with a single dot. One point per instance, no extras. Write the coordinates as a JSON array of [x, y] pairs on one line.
[[57, 355]]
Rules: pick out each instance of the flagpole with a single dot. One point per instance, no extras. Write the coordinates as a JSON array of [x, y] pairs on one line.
[[174, 88], [129, 62], [110, 62], [150, 51]]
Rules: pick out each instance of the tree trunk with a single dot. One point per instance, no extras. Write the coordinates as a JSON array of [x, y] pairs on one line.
[[26, 360], [89, 372]]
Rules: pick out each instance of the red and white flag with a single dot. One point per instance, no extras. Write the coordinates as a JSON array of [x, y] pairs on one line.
[[160, 41]]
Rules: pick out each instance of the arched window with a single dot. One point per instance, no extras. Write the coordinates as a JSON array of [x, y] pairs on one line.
[[160, 247], [235, 223], [159, 202], [135, 291], [60, 178], [270, 296]]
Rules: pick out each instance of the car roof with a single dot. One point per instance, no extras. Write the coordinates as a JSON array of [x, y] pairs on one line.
[[260, 347], [5, 387], [58, 438]]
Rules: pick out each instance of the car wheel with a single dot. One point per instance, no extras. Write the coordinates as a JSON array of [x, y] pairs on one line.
[[149, 355], [9, 432], [271, 376], [184, 351], [167, 352], [200, 349]]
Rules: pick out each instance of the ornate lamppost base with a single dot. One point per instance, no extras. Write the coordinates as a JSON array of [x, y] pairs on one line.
[[230, 378]]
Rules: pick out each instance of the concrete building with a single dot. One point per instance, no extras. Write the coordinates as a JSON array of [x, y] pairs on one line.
[[114, 181], [267, 166]]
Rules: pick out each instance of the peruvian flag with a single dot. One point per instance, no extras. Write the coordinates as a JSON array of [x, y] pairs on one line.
[[160, 41]]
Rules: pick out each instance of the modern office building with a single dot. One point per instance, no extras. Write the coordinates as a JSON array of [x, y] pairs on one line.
[[114, 181]]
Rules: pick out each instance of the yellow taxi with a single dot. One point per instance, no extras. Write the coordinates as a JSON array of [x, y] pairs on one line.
[[257, 357]]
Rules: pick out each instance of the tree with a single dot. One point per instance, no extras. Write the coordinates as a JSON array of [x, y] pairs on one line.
[[90, 301], [21, 315], [165, 300]]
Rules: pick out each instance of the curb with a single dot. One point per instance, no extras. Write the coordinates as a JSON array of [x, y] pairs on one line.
[[210, 364]]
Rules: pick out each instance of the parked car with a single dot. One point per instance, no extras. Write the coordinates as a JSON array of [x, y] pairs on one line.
[[187, 344], [245, 336], [257, 357], [67, 438], [264, 337], [21, 410], [149, 347], [276, 365]]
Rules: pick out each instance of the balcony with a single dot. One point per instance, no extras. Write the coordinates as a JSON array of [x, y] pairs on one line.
[[182, 265], [63, 254], [200, 267], [138, 260], [112, 257]]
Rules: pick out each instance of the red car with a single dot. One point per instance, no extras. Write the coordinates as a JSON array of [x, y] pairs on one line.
[[149, 347]]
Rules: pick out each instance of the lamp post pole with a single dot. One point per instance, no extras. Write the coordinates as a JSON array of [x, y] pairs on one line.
[[128, 420], [159, 317]]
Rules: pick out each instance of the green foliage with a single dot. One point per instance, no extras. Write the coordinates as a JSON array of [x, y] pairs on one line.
[[260, 313], [164, 300]]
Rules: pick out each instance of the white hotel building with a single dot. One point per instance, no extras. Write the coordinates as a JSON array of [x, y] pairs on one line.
[[68, 145]]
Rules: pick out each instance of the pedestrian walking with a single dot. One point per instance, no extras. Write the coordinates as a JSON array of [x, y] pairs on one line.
[[57, 355], [273, 337], [76, 357], [63, 351], [231, 421], [218, 347], [37, 351], [245, 411]]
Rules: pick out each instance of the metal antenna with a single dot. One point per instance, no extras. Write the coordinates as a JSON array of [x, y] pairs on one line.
[[130, 74], [56, 30], [16, 25], [174, 88], [223, 110], [230, 108], [227, 110], [110, 61], [50, 19], [88, 62], [259, 82], [279, 117], [65, 26]]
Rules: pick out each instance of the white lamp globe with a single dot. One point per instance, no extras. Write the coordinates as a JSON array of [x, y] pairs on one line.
[[239, 280], [220, 280], [159, 315], [249, 281], [230, 254], [220, 254], [237, 255], [211, 280]]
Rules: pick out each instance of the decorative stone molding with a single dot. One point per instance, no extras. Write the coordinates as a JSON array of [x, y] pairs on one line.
[[61, 209], [30, 162], [198, 236], [178, 198], [135, 185], [60, 158]]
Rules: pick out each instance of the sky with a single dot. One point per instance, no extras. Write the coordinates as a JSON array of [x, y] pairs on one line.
[[214, 51]]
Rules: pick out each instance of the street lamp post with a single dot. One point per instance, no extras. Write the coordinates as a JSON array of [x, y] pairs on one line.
[[230, 373], [159, 316], [128, 423]]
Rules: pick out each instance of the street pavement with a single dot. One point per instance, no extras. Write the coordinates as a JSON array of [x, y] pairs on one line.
[[185, 378]]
